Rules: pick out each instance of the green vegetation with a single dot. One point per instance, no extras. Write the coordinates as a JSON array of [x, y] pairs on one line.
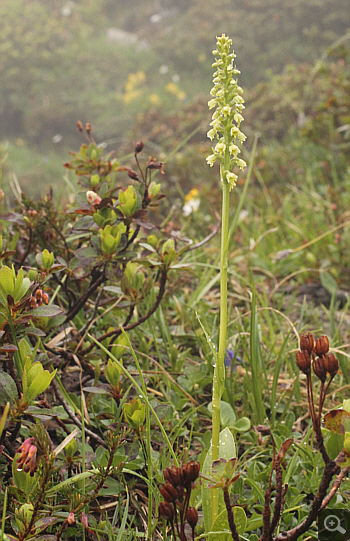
[[110, 286]]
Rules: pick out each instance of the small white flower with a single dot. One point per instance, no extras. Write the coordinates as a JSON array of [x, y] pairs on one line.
[[211, 134], [220, 148], [241, 163], [211, 160]]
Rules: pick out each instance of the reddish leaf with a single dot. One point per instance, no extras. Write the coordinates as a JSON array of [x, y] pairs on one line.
[[284, 448], [333, 420]]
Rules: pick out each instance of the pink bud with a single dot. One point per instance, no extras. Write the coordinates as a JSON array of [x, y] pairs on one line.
[[84, 521], [71, 518], [93, 198]]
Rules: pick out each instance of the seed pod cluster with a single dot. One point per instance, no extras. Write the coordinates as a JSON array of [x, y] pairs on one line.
[[316, 353], [176, 491]]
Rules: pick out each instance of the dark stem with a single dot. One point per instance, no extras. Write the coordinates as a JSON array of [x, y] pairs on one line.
[[230, 516], [331, 469], [266, 529], [117, 332], [335, 487], [29, 247], [278, 502], [90, 290], [74, 418]]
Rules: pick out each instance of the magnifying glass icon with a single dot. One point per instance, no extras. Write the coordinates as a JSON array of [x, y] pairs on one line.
[[332, 524]]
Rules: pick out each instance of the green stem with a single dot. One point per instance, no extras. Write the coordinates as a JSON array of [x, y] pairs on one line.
[[219, 370]]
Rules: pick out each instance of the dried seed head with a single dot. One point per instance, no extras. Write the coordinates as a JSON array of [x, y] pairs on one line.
[[320, 369], [132, 174], [304, 361], [169, 492], [172, 475], [192, 516], [307, 342], [191, 472], [322, 346], [88, 128], [331, 363], [166, 511], [138, 146], [80, 126]]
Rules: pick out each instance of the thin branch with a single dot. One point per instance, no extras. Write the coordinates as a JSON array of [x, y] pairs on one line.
[[74, 418], [117, 332], [291, 535], [73, 312], [335, 487]]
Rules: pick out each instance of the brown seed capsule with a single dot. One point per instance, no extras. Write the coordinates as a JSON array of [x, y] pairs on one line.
[[80, 126], [303, 361], [166, 511], [322, 346], [192, 516], [88, 127], [132, 174], [331, 363], [320, 370], [169, 492], [138, 146], [307, 342], [172, 475], [191, 471]]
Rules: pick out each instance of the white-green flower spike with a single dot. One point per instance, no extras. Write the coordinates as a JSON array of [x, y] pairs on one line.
[[227, 116]]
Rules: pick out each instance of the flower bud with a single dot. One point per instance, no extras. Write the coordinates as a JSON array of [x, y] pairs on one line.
[[80, 126], [93, 198], [192, 516], [320, 370], [322, 346], [307, 342], [132, 174], [84, 521], [71, 518], [303, 362], [138, 146]]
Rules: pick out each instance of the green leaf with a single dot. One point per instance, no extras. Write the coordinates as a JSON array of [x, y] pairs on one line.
[[328, 282], [40, 384], [242, 425], [227, 415], [8, 389], [51, 310], [7, 285], [227, 450], [221, 524], [70, 481], [23, 481], [35, 370], [334, 420]]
